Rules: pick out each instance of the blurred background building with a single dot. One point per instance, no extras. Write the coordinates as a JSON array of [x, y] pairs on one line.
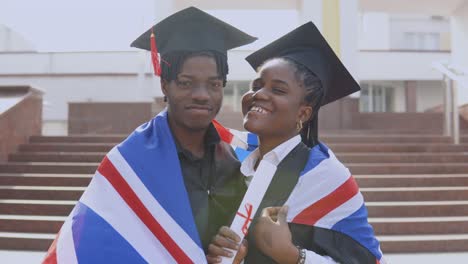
[[67, 89], [390, 49]]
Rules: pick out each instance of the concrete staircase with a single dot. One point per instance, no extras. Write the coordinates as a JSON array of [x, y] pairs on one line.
[[415, 186]]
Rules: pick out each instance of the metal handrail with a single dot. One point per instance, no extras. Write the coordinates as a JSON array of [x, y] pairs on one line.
[[458, 75]]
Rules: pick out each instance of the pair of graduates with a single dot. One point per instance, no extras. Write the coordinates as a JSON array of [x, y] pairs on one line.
[[162, 194]]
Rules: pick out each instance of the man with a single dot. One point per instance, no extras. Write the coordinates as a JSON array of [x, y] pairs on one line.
[[162, 194]]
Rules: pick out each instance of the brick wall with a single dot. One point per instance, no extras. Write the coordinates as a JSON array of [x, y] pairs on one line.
[[22, 120], [107, 118]]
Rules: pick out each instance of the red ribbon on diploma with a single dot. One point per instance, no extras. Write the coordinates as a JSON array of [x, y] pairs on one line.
[[248, 218]]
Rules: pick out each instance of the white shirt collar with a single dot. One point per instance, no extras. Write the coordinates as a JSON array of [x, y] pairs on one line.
[[275, 156]]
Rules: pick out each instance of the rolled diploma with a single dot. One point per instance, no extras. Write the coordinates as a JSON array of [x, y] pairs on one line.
[[254, 196]]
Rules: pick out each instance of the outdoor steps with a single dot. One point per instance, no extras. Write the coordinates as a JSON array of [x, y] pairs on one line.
[[62, 157], [382, 226], [444, 235], [415, 194], [336, 147], [389, 244], [66, 147], [25, 241], [396, 147], [407, 168], [375, 209], [359, 138], [36, 207], [402, 157], [384, 180], [424, 243], [412, 180], [38, 179], [78, 139], [49, 167], [417, 209], [370, 194], [356, 168], [415, 186]]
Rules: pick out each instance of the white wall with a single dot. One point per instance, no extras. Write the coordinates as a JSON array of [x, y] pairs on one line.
[[349, 36], [376, 65], [60, 90], [459, 26], [12, 41], [399, 92], [429, 94], [374, 31], [79, 77], [94, 76], [403, 24], [70, 62]]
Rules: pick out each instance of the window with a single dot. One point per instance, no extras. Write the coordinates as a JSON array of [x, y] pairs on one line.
[[376, 98], [233, 94], [421, 41]]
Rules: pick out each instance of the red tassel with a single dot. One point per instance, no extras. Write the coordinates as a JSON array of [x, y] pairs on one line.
[[154, 55]]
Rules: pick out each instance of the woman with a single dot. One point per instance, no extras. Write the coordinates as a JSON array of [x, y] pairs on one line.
[[324, 219]]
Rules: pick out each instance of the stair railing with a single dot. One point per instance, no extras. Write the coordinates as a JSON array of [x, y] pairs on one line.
[[454, 77]]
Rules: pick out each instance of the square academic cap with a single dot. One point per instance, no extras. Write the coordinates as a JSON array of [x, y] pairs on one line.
[[191, 29], [306, 45]]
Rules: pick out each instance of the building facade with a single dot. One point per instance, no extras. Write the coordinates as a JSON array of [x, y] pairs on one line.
[[389, 49]]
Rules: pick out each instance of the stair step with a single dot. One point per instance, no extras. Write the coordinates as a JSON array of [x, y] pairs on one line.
[[66, 147], [389, 244], [417, 209], [424, 243], [78, 139], [41, 192], [397, 147], [382, 226], [326, 138], [449, 157], [336, 147], [408, 168], [31, 224], [385, 139], [31, 179], [49, 167], [344, 157], [415, 186], [25, 241], [36, 207], [415, 194], [419, 225], [375, 209], [416, 180], [56, 157], [370, 194]]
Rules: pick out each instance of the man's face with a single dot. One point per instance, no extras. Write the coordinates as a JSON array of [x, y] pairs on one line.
[[195, 97]]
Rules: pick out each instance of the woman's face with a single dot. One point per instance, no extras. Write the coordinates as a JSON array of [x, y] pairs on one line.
[[274, 104]]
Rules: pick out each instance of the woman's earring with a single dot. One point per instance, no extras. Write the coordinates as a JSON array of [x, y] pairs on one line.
[[299, 126]]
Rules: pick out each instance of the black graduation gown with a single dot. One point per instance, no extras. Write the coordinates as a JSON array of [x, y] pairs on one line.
[[214, 185], [340, 247]]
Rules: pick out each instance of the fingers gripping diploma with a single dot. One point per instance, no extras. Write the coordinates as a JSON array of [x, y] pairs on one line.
[[224, 240], [273, 237]]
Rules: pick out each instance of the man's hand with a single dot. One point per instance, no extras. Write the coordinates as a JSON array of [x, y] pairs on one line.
[[224, 240], [273, 237]]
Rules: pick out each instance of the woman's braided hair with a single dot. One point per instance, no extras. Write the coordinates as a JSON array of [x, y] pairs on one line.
[[314, 95]]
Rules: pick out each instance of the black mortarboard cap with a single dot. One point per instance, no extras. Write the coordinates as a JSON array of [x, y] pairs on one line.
[[191, 29], [306, 45]]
